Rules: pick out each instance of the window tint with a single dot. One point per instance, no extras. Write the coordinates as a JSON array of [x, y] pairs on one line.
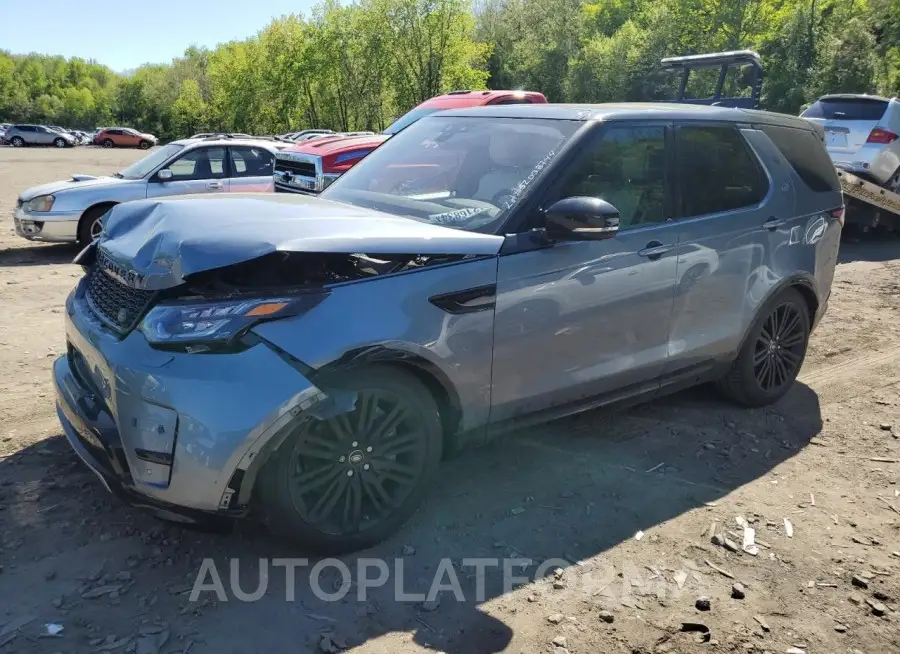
[[805, 152], [628, 170], [718, 172], [847, 109], [200, 163], [251, 162], [513, 101]]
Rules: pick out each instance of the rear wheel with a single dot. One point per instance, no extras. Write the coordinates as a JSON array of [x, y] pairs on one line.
[[770, 359], [17, 141], [346, 483], [107, 143]]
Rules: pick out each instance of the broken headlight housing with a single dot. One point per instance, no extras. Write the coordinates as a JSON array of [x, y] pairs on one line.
[[195, 326]]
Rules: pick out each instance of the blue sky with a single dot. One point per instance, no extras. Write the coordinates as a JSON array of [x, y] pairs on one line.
[[124, 35]]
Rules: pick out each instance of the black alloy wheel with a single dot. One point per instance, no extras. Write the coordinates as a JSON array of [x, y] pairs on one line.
[[348, 482], [780, 347]]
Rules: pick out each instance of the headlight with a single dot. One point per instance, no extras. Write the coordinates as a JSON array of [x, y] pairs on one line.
[[218, 322], [40, 203]]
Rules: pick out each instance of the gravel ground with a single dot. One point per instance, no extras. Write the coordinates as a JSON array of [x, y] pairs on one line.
[[624, 506]]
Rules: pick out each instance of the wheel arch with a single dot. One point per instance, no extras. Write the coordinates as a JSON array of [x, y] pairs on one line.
[[106, 205], [425, 371]]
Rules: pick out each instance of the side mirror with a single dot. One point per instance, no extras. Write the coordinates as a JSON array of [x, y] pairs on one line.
[[164, 175], [582, 218]]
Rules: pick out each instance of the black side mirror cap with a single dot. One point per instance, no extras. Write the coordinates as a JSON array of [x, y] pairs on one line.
[[582, 218]]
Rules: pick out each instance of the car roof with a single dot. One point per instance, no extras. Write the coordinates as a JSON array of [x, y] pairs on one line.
[[264, 143], [853, 96], [628, 111]]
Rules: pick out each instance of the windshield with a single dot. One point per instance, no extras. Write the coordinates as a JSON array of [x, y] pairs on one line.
[[148, 164], [466, 173], [407, 119]]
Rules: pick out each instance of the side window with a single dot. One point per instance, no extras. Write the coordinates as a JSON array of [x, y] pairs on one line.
[[627, 168], [251, 162], [718, 171], [199, 163], [805, 152], [513, 101]]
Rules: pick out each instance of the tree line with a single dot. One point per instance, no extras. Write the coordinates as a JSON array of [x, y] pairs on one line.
[[358, 66]]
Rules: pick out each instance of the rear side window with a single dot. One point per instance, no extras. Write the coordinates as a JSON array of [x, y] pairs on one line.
[[847, 109], [718, 171], [805, 152]]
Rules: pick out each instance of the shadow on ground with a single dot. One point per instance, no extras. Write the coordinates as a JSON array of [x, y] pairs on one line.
[[561, 493], [38, 255], [875, 246]]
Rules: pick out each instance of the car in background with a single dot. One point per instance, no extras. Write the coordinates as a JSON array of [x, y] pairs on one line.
[[70, 210], [313, 358], [21, 135], [309, 167], [862, 135], [123, 137], [305, 134]]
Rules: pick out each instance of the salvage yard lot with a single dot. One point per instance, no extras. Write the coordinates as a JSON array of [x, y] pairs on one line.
[[822, 464]]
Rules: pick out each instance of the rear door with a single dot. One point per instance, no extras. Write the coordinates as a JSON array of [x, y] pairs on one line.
[[44, 135], [200, 170], [251, 169], [732, 216], [848, 122]]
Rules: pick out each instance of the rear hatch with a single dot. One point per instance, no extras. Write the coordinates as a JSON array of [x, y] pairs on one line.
[[848, 122]]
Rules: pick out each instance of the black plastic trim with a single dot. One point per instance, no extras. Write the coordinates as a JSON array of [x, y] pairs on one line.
[[470, 300]]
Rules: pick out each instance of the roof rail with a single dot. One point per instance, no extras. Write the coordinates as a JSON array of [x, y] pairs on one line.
[[460, 92], [712, 59]]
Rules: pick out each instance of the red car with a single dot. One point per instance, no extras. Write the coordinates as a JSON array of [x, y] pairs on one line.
[[309, 167], [124, 137]]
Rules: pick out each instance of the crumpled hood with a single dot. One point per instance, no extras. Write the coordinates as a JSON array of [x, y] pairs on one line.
[[76, 182], [164, 241]]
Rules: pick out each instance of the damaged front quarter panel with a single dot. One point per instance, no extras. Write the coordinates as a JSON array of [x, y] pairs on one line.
[[165, 242]]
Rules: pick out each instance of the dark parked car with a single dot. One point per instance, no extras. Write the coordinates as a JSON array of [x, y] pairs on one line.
[[312, 358]]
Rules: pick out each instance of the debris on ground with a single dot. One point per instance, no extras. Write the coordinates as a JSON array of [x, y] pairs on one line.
[[738, 591], [859, 581], [702, 604], [788, 528], [607, 617]]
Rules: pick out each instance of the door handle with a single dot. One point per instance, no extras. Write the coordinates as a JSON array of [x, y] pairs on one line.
[[654, 250], [773, 223], [214, 185]]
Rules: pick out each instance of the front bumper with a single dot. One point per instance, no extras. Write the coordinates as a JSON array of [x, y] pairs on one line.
[[49, 226], [172, 432]]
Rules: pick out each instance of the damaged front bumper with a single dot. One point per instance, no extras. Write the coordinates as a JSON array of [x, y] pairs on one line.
[[179, 434]]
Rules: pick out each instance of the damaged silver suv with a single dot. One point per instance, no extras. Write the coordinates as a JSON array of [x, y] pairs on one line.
[[310, 359]]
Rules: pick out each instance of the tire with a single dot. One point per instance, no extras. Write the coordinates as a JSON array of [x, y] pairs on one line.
[[59, 143], [337, 467], [761, 376], [107, 143], [17, 141], [144, 145], [89, 219]]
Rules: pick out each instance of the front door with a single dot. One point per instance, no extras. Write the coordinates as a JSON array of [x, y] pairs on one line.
[[200, 170], [581, 319]]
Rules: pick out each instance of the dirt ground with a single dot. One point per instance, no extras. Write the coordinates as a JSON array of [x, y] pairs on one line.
[[625, 502]]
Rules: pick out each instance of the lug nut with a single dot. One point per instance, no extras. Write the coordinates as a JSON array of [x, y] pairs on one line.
[[349, 473], [366, 467], [369, 449], [354, 444], [342, 459]]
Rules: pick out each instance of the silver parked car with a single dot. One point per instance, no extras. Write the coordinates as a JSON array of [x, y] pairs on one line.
[[70, 210], [311, 358], [21, 135], [862, 135]]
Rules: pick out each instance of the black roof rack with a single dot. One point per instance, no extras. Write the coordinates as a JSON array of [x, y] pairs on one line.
[[460, 92]]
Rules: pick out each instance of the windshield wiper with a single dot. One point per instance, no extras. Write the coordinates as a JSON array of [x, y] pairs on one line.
[[119, 175]]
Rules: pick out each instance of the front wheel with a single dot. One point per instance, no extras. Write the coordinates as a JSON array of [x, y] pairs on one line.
[[349, 482], [770, 358], [143, 145], [17, 141], [59, 143]]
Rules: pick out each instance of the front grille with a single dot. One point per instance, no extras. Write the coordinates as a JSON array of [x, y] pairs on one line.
[[304, 168], [118, 305]]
